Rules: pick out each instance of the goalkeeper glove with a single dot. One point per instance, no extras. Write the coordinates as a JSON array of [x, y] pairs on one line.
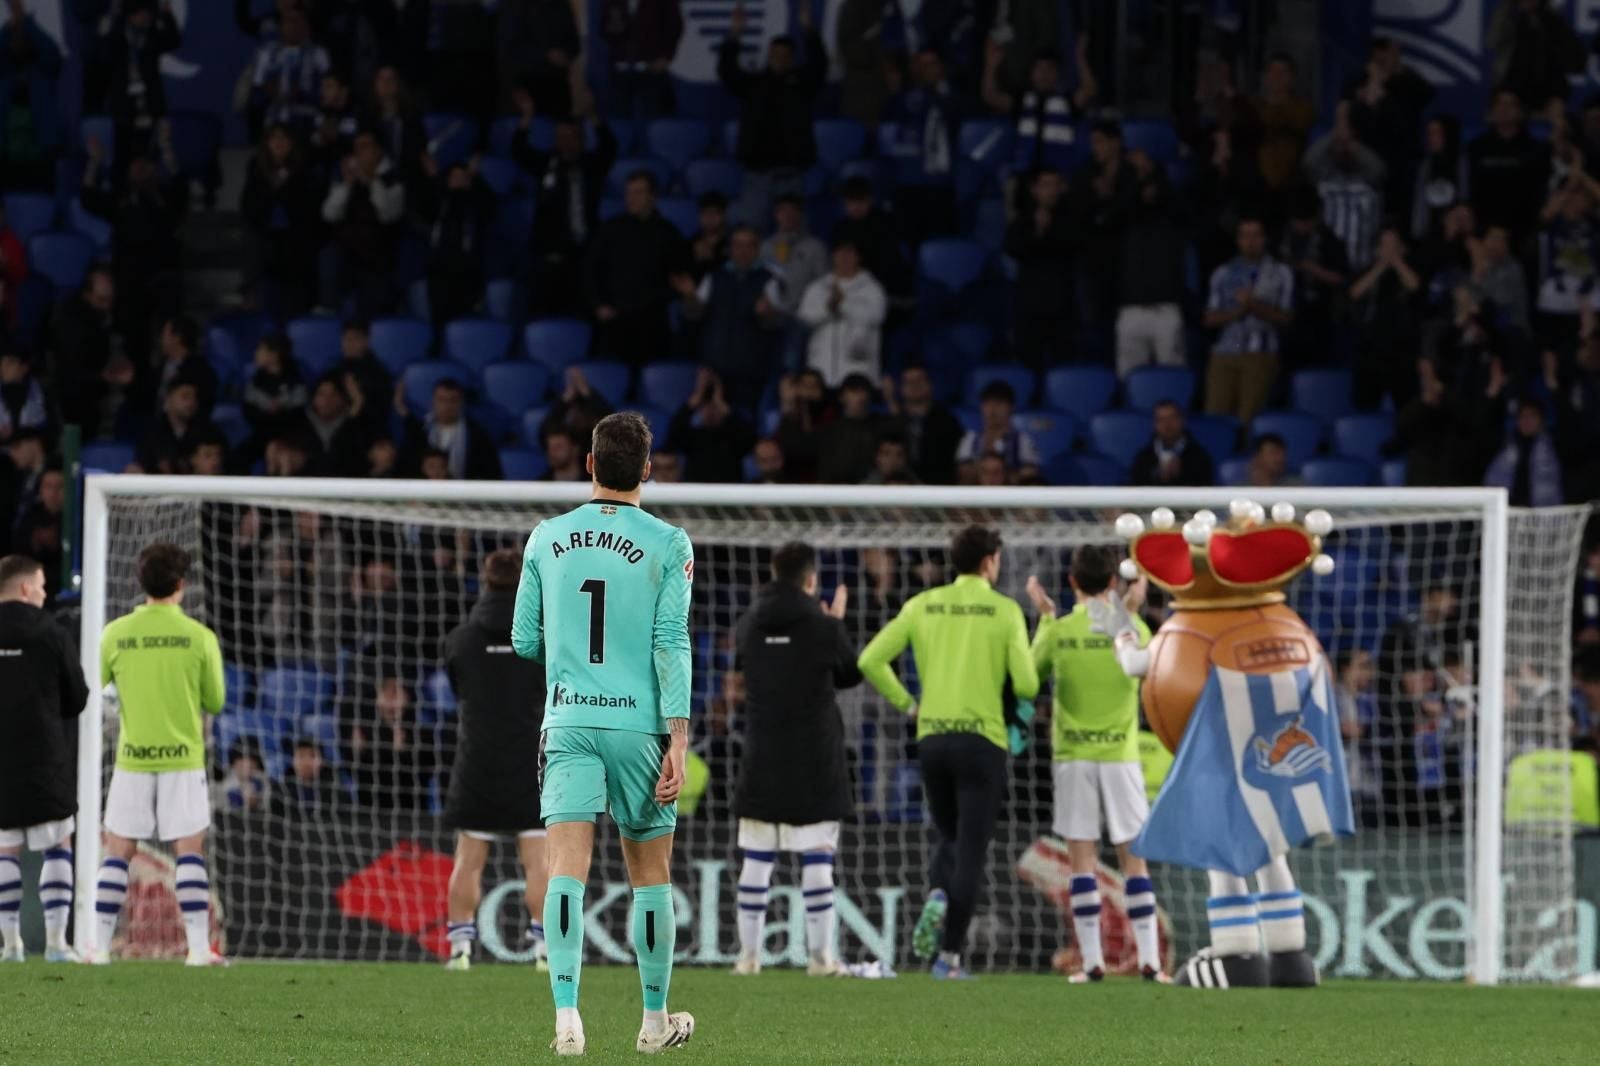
[[1110, 618], [1017, 731]]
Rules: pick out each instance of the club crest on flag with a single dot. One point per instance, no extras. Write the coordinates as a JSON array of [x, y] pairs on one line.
[[1292, 753]]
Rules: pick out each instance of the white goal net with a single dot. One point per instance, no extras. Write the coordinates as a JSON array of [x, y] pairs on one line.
[[333, 754]]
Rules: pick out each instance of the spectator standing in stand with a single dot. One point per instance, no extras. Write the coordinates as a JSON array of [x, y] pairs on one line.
[[1507, 169], [845, 310], [363, 206], [1045, 113], [125, 75], [712, 437], [628, 272], [1250, 302], [736, 309], [641, 38], [30, 67], [928, 116], [1040, 240], [930, 432], [281, 203], [537, 42], [1150, 266]]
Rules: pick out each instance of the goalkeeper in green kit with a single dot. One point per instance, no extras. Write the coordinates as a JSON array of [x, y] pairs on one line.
[[604, 603]]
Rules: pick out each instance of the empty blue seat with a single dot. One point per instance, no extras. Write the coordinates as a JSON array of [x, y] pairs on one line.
[[523, 464], [679, 141], [1085, 468], [1052, 431], [196, 140], [1147, 386], [971, 418], [515, 386], [1324, 391], [950, 262], [500, 175], [951, 349], [106, 456], [839, 141], [451, 138], [399, 342], [499, 423], [229, 418], [237, 684], [502, 298], [1363, 436], [1155, 137], [668, 385], [1234, 471], [532, 423], [293, 692], [557, 342], [30, 213], [622, 168], [1119, 434], [1081, 391], [659, 420], [477, 342], [682, 212], [1301, 433], [608, 379], [1217, 434], [1020, 378], [1335, 470], [421, 378], [719, 175], [1394, 473], [63, 259], [317, 342]]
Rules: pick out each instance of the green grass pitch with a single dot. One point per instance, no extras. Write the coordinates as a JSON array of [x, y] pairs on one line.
[[139, 1013]]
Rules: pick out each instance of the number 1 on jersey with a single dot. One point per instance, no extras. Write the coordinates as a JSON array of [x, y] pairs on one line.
[[596, 589]]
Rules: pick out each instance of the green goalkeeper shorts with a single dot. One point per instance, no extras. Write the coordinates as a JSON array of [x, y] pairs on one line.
[[584, 771]]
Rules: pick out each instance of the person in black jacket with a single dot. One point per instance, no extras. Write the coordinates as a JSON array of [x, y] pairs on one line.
[[500, 703], [1041, 243], [627, 274], [1172, 457], [469, 448], [794, 785], [45, 692], [776, 144]]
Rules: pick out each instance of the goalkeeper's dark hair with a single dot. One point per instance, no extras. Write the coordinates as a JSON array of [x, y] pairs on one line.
[[621, 447], [972, 546], [793, 563], [1092, 569], [162, 568], [503, 569], [14, 568]]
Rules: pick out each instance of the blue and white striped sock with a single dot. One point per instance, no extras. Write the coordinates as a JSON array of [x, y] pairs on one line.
[[755, 879], [816, 886], [1283, 916], [110, 893], [1139, 896], [194, 903], [11, 901], [55, 895], [1086, 920], [535, 933], [461, 936], [1231, 912]]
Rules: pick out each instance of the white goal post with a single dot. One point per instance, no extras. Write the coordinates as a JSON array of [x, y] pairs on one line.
[[755, 517]]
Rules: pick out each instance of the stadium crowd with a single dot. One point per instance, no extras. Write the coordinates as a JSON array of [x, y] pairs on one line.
[[956, 264]]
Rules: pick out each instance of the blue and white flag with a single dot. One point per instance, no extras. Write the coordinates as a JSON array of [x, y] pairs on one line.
[[1260, 770]]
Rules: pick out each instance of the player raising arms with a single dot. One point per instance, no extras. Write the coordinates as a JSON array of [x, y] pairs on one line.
[[1095, 741], [604, 602], [167, 669]]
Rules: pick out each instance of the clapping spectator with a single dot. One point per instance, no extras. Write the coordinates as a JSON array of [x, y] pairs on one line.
[[928, 116], [334, 127], [180, 424], [286, 76], [1046, 116], [367, 382], [1321, 266], [281, 203], [1507, 169], [1040, 241], [847, 443], [735, 309], [628, 272], [275, 394], [1534, 50], [471, 450], [872, 229], [709, 245], [459, 217], [712, 437], [1528, 467], [1349, 177], [999, 437], [800, 408], [1173, 457], [1251, 300], [363, 206], [395, 121], [1151, 262], [333, 440], [1106, 186], [564, 451], [930, 432], [776, 144], [126, 71], [578, 407], [1569, 247], [570, 180], [1283, 118], [23, 405], [537, 43], [1385, 107], [91, 373], [1441, 176], [641, 40], [845, 310], [1387, 301], [30, 66]]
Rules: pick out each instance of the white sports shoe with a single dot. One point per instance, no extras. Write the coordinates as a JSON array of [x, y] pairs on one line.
[[13, 954], [62, 954], [569, 1043], [747, 966], [680, 1027], [459, 963], [96, 957], [824, 966], [205, 958]]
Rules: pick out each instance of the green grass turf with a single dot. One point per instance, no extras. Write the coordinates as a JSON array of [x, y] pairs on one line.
[[138, 1013]]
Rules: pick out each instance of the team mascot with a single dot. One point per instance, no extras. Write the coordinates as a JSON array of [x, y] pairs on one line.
[[1238, 688]]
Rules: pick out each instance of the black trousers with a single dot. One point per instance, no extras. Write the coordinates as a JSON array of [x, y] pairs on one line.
[[964, 783]]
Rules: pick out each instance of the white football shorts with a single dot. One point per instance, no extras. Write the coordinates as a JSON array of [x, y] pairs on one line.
[[169, 805], [1089, 794], [774, 836], [39, 837]]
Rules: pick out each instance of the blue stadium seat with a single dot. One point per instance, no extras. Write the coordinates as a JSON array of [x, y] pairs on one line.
[[1336, 470], [557, 342], [618, 177], [271, 735], [420, 379], [496, 421], [723, 175], [839, 141], [989, 225], [667, 385], [1020, 378], [986, 143], [678, 141], [1147, 386], [436, 699], [1053, 431], [505, 247], [61, 258], [1301, 433], [1155, 137], [659, 419], [1081, 391], [398, 342], [1085, 468], [30, 213], [108, 456], [92, 226], [971, 418], [229, 418], [532, 422], [502, 298], [317, 343], [1234, 471], [952, 263], [1363, 436], [682, 212], [1217, 434], [951, 350], [292, 692], [477, 342], [196, 140], [503, 133], [523, 464], [451, 138], [1394, 473], [1119, 434], [608, 379], [515, 386], [237, 683], [1324, 391], [500, 175]]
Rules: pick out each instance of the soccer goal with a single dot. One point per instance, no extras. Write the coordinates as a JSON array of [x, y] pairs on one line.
[[1448, 613]]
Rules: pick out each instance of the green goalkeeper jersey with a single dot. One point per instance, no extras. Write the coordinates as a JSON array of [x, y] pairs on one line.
[[168, 669], [1096, 706], [604, 603], [967, 639]]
